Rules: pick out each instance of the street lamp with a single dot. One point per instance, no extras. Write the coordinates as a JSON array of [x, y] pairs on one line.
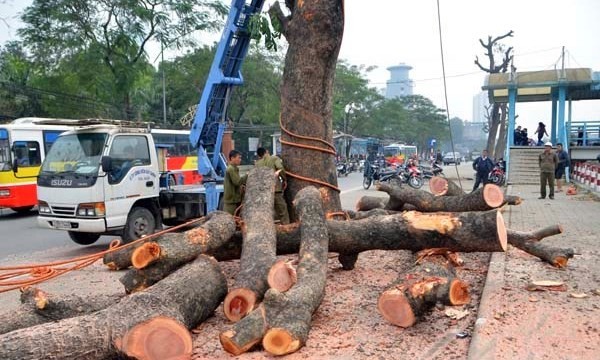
[[348, 109]]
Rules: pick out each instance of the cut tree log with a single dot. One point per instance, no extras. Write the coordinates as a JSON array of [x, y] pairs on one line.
[[38, 307], [284, 317], [289, 326], [459, 232], [282, 276], [121, 259], [420, 289], [259, 246], [155, 260], [441, 186], [160, 316], [486, 198], [528, 241], [368, 202]]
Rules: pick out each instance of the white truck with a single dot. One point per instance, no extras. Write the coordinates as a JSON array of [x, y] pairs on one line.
[[107, 179]]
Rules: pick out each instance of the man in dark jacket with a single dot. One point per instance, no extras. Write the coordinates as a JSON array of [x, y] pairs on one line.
[[482, 165], [563, 163]]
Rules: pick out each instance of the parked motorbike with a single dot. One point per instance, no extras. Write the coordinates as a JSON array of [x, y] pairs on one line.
[[497, 176], [376, 171], [342, 169], [434, 170], [412, 175]]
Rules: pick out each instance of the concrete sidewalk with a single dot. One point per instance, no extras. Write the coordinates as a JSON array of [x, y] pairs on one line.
[[515, 323]]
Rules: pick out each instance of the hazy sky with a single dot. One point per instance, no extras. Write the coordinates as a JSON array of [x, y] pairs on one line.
[[388, 32]]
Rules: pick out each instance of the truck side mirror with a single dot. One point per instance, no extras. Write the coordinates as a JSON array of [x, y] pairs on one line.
[[106, 162], [15, 166]]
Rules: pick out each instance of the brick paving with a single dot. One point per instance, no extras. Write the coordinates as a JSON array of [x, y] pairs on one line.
[[514, 323]]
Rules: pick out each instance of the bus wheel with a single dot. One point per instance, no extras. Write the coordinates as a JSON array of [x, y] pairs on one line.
[[82, 238], [140, 222], [22, 209]]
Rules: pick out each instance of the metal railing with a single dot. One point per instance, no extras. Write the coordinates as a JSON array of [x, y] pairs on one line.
[[584, 133]]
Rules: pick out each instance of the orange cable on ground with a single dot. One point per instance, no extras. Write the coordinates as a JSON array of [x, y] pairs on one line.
[[37, 273]]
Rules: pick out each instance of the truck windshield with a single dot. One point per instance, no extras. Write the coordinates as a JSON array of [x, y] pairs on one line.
[[75, 153], [4, 151]]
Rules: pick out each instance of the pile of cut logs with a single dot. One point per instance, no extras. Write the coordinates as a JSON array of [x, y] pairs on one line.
[[174, 282]]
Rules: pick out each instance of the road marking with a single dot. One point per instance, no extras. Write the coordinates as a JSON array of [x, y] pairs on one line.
[[351, 190]]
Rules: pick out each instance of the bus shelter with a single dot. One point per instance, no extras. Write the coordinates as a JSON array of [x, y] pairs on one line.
[[560, 87]]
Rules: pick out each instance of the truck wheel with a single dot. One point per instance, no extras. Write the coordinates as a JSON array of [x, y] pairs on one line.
[[139, 222], [82, 238]]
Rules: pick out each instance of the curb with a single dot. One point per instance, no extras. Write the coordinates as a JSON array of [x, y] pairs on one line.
[[481, 346]]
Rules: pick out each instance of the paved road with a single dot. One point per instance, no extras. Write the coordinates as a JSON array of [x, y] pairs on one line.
[[20, 235]]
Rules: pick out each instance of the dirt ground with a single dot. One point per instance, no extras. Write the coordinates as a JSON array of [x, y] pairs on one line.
[[347, 325]]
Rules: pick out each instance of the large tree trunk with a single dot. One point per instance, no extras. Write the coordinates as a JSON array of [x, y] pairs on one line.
[[154, 261], [151, 324], [284, 317], [501, 143], [260, 242], [494, 122], [314, 33], [420, 289], [38, 307]]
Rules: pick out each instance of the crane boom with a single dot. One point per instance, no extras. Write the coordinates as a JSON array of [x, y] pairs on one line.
[[225, 73]]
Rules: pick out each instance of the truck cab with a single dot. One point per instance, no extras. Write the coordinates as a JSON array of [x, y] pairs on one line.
[[107, 180]]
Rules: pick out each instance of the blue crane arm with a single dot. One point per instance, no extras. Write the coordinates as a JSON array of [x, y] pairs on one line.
[[210, 119]]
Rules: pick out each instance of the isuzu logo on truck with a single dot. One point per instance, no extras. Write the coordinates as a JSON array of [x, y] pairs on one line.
[[61, 182]]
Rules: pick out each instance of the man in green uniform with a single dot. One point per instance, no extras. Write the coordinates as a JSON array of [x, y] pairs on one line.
[[275, 163], [233, 183], [548, 162]]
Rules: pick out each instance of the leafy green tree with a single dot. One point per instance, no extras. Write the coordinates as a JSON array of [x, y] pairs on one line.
[[119, 30], [16, 72], [457, 127], [425, 121]]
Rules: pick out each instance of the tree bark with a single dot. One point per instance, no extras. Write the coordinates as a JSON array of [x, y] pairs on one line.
[[486, 198], [501, 143], [314, 34], [37, 307], [420, 289], [259, 247], [528, 242], [367, 203], [175, 304], [284, 317], [153, 261]]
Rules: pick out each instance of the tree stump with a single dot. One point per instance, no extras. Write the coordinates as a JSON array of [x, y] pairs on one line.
[[155, 260], [259, 246], [151, 324], [420, 289], [38, 307]]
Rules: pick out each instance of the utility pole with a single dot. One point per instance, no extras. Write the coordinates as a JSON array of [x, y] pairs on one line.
[[162, 64]]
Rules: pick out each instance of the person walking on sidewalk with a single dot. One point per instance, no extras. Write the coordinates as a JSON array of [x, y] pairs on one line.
[[563, 162], [548, 162], [482, 165], [274, 162]]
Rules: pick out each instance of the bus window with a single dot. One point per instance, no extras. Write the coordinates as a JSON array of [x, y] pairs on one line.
[[4, 151], [27, 153], [49, 139]]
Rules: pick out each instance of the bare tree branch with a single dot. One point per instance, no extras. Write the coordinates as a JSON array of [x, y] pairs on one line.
[[276, 12]]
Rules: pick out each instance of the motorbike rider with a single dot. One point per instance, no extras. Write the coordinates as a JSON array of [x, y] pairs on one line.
[[482, 165]]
